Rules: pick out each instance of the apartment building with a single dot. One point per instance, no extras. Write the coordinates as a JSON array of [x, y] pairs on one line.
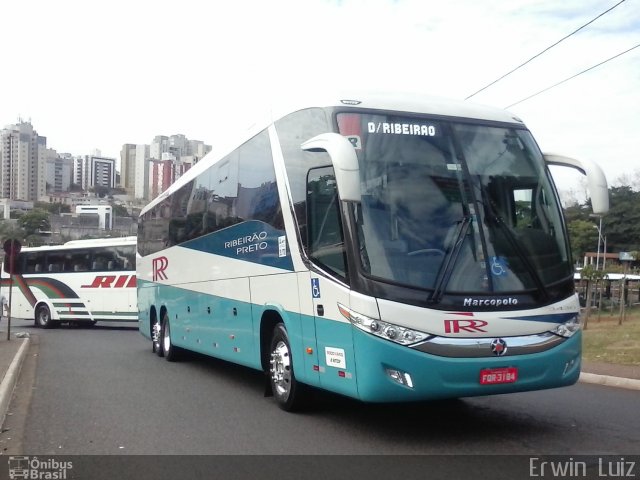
[[23, 156]]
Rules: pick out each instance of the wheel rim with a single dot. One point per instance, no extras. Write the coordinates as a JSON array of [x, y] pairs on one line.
[[281, 369], [166, 338], [156, 335], [43, 316]]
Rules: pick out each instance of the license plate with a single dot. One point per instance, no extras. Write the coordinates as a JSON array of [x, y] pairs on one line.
[[493, 376]]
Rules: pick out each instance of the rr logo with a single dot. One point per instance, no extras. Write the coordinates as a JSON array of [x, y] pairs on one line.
[[159, 265], [469, 326]]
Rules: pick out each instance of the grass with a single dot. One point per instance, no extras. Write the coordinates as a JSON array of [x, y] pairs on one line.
[[606, 341]]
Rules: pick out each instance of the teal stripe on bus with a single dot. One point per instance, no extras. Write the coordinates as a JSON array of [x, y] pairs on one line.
[[250, 241]]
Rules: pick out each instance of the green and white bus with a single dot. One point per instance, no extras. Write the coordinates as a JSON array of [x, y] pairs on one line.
[[385, 247]]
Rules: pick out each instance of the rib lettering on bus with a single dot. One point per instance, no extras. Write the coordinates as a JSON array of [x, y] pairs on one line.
[[107, 281]]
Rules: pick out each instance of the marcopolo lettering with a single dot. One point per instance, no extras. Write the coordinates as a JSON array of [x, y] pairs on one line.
[[490, 302], [248, 243]]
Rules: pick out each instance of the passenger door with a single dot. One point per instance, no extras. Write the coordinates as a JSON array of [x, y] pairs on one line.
[[328, 284]]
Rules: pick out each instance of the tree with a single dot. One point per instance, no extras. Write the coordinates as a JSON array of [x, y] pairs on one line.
[[583, 237], [120, 211], [577, 212], [622, 223], [101, 191], [620, 226], [55, 208], [34, 222], [591, 276], [9, 230]]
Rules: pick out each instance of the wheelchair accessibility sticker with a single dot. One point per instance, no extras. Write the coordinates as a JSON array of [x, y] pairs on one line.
[[499, 266], [315, 287]]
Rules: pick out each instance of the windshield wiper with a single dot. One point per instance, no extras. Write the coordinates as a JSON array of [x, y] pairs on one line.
[[444, 274]]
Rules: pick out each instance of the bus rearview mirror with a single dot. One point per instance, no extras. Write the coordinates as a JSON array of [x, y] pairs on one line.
[[344, 160], [596, 181]]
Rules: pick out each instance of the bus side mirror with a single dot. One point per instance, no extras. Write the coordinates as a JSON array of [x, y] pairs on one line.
[[344, 160], [596, 181]]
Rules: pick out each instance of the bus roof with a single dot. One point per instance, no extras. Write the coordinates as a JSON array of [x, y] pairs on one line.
[[87, 243], [399, 102]]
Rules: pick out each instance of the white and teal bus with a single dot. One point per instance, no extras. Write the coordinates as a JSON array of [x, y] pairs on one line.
[[81, 281], [387, 248]]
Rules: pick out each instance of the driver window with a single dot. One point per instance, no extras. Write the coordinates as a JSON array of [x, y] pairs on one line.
[[325, 239]]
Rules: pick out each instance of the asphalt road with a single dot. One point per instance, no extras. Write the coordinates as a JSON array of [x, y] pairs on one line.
[[102, 391]]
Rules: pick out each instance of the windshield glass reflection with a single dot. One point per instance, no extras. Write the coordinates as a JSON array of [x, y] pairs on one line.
[[454, 207]]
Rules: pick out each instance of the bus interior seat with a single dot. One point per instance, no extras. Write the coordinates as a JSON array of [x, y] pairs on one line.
[[423, 218], [97, 265], [544, 253]]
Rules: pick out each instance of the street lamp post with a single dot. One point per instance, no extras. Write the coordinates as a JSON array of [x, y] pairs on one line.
[[601, 239]]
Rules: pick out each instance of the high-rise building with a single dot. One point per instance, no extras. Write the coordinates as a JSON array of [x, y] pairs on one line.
[[90, 171], [59, 171], [161, 175], [159, 145], [198, 149], [22, 162], [102, 172], [128, 168], [80, 172], [141, 185], [147, 170]]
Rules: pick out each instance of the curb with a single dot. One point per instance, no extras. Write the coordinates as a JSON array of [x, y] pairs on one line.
[[10, 379], [609, 381]]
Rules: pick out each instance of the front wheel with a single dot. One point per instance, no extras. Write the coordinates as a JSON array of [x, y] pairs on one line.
[[289, 394], [43, 317]]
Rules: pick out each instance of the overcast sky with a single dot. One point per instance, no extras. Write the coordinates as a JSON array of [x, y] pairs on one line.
[[95, 75]]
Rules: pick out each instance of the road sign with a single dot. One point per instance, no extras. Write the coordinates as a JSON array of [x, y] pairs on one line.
[[12, 247], [626, 256]]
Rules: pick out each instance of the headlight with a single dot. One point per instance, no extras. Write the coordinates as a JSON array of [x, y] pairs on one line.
[[388, 331], [569, 328]]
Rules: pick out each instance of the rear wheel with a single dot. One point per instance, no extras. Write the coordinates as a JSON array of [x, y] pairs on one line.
[[43, 317], [289, 394], [171, 352]]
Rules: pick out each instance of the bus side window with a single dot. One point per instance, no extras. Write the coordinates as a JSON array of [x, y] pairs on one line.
[[80, 261], [18, 265], [324, 222], [292, 131], [125, 258]]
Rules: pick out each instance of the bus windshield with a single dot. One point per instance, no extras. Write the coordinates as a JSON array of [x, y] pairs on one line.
[[455, 207]]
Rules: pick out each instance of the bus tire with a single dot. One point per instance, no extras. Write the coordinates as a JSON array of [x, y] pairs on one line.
[[43, 317], [171, 352], [156, 338], [288, 393]]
